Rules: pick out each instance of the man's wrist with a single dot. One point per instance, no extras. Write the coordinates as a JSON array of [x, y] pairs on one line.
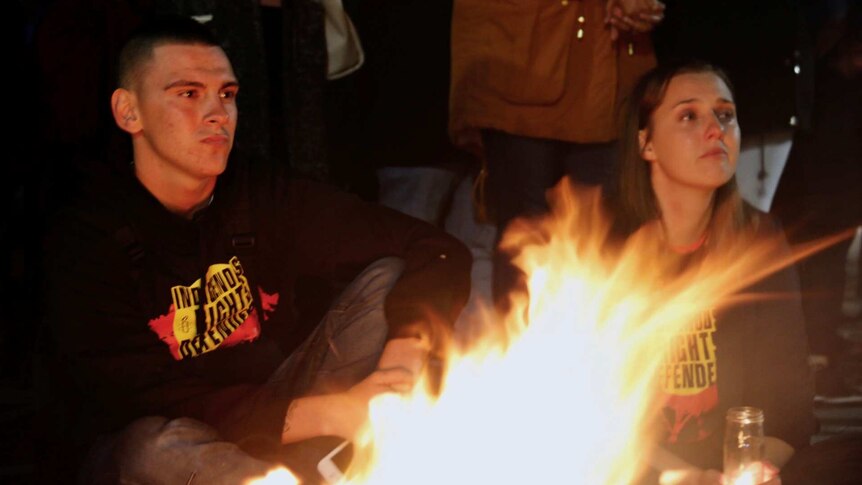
[[308, 417]]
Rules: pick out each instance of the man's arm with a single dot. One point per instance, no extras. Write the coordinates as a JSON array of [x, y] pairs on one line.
[[334, 232], [343, 414], [333, 235]]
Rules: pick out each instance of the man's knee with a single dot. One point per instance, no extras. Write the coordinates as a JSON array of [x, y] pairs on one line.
[[158, 450], [380, 276], [356, 328], [156, 432], [361, 304]]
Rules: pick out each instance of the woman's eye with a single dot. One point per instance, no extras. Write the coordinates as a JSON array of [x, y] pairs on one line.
[[687, 116], [726, 115]]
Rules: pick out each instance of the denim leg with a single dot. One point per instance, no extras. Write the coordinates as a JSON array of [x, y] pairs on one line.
[[346, 345], [520, 171], [156, 451], [591, 163], [344, 349]]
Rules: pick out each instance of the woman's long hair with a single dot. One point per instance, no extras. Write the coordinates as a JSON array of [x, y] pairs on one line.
[[635, 201]]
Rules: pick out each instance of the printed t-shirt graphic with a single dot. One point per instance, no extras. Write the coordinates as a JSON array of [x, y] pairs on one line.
[[689, 381], [229, 317]]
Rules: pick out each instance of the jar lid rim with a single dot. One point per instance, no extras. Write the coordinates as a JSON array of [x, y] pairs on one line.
[[745, 414]]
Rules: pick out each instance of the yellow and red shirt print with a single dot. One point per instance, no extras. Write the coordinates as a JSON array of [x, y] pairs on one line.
[[689, 380], [229, 316]]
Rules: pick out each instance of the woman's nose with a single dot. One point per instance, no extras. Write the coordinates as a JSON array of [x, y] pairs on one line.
[[714, 127]]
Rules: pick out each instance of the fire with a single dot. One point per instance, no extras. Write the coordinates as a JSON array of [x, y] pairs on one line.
[[570, 397], [278, 476]]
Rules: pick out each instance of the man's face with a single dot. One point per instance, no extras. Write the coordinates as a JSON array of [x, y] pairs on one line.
[[186, 111]]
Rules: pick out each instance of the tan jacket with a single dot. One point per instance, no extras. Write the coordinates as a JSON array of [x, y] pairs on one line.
[[540, 68]]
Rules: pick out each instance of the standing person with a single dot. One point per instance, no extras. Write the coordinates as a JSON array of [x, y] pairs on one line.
[[680, 146], [820, 191], [535, 87], [390, 116], [176, 289]]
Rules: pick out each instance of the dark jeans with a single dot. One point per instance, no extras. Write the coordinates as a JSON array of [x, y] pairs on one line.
[[342, 350], [521, 170], [421, 192]]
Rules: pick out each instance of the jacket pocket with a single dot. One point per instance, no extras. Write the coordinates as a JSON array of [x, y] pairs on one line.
[[525, 49]]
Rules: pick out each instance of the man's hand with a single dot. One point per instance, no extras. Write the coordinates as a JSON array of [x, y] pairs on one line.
[[633, 15], [407, 354], [398, 369]]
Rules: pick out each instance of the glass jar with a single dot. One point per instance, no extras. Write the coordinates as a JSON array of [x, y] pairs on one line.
[[743, 446]]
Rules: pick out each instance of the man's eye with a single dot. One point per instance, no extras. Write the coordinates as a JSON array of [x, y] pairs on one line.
[[228, 94], [191, 93]]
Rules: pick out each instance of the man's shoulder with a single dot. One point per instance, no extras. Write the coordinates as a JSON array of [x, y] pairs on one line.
[[89, 222], [299, 197]]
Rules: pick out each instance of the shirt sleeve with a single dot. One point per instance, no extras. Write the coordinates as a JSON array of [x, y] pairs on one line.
[[336, 233], [779, 379]]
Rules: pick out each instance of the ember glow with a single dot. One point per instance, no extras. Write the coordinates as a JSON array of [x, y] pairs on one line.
[[276, 477], [570, 397]]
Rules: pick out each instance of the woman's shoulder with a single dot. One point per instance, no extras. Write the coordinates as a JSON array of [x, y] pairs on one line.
[[762, 224]]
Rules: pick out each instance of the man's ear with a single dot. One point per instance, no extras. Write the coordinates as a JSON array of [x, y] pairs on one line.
[[645, 146], [125, 109]]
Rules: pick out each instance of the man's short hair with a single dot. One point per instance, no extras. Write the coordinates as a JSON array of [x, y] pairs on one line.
[[157, 31]]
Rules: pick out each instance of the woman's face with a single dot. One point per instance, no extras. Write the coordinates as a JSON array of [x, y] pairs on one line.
[[693, 138]]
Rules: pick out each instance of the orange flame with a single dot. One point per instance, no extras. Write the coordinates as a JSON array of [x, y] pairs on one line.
[[278, 476], [569, 397]]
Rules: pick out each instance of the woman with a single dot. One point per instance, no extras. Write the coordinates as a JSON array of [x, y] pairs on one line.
[[680, 145]]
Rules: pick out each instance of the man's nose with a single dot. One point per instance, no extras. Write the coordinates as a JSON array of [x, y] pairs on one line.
[[216, 112]]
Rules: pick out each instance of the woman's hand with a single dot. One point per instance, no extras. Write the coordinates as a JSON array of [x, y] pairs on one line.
[[690, 476], [673, 470], [696, 476], [764, 469]]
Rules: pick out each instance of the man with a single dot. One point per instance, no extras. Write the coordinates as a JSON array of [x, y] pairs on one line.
[[175, 291]]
